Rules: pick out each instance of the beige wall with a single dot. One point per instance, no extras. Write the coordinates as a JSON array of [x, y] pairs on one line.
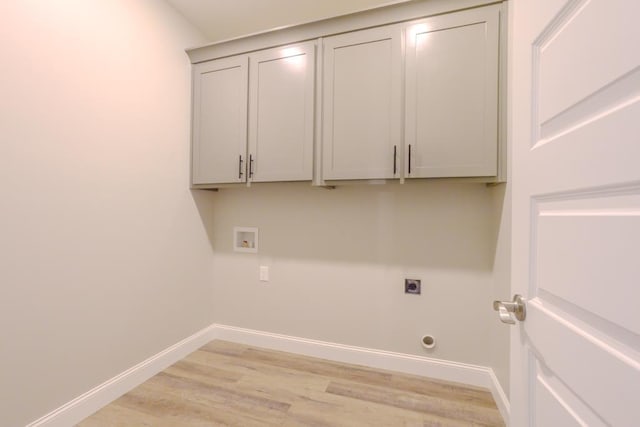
[[104, 260], [338, 259]]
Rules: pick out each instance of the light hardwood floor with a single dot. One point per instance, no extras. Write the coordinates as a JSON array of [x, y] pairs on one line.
[[230, 384]]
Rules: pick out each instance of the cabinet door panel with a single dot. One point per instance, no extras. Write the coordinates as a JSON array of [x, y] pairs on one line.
[[220, 121], [452, 95], [281, 118], [362, 104]]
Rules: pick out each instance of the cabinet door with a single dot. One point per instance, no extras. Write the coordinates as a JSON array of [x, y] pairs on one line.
[[362, 104], [452, 95], [281, 113], [220, 121]]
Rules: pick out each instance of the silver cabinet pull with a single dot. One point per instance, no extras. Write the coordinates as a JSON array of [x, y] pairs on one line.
[[395, 155], [240, 167], [510, 311]]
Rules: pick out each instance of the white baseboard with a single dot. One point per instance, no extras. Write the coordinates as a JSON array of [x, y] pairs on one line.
[[82, 406], [91, 401], [502, 401], [399, 362]]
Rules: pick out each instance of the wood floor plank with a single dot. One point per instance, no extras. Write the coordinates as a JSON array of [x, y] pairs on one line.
[[231, 397], [442, 389], [316, 366], [415, 402], [228, 384], [206, 373], [196, 409], [118, 416], [224, 347], [288, 388], [246, 368], [325, 409], [171, 408]]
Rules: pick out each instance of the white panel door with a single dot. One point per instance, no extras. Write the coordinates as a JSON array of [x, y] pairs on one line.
[[220, 121], [451, 122], [281, 113], [575, 132], [362, 104]]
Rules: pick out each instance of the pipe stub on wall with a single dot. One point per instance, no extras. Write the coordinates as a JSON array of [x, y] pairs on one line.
[[428, 341]]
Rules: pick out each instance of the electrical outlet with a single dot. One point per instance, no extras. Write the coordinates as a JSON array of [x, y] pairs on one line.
[[412, 286]]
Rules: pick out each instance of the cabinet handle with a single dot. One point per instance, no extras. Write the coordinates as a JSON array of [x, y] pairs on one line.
[[409, 159], [395, 154], [240, 167], [250, 165]]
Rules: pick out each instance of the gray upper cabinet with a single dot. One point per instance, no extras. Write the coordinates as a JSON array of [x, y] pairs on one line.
[[362, 104], [451, 81], [253, 117], [406, 91], [219, 121], [281, 113]]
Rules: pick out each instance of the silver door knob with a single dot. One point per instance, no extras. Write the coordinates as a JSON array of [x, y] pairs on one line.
[[510, 311]]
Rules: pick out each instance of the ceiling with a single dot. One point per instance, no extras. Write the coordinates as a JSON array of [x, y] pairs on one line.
[[224, 19]]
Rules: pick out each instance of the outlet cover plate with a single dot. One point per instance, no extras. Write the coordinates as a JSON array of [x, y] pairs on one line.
[[264, 273]]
